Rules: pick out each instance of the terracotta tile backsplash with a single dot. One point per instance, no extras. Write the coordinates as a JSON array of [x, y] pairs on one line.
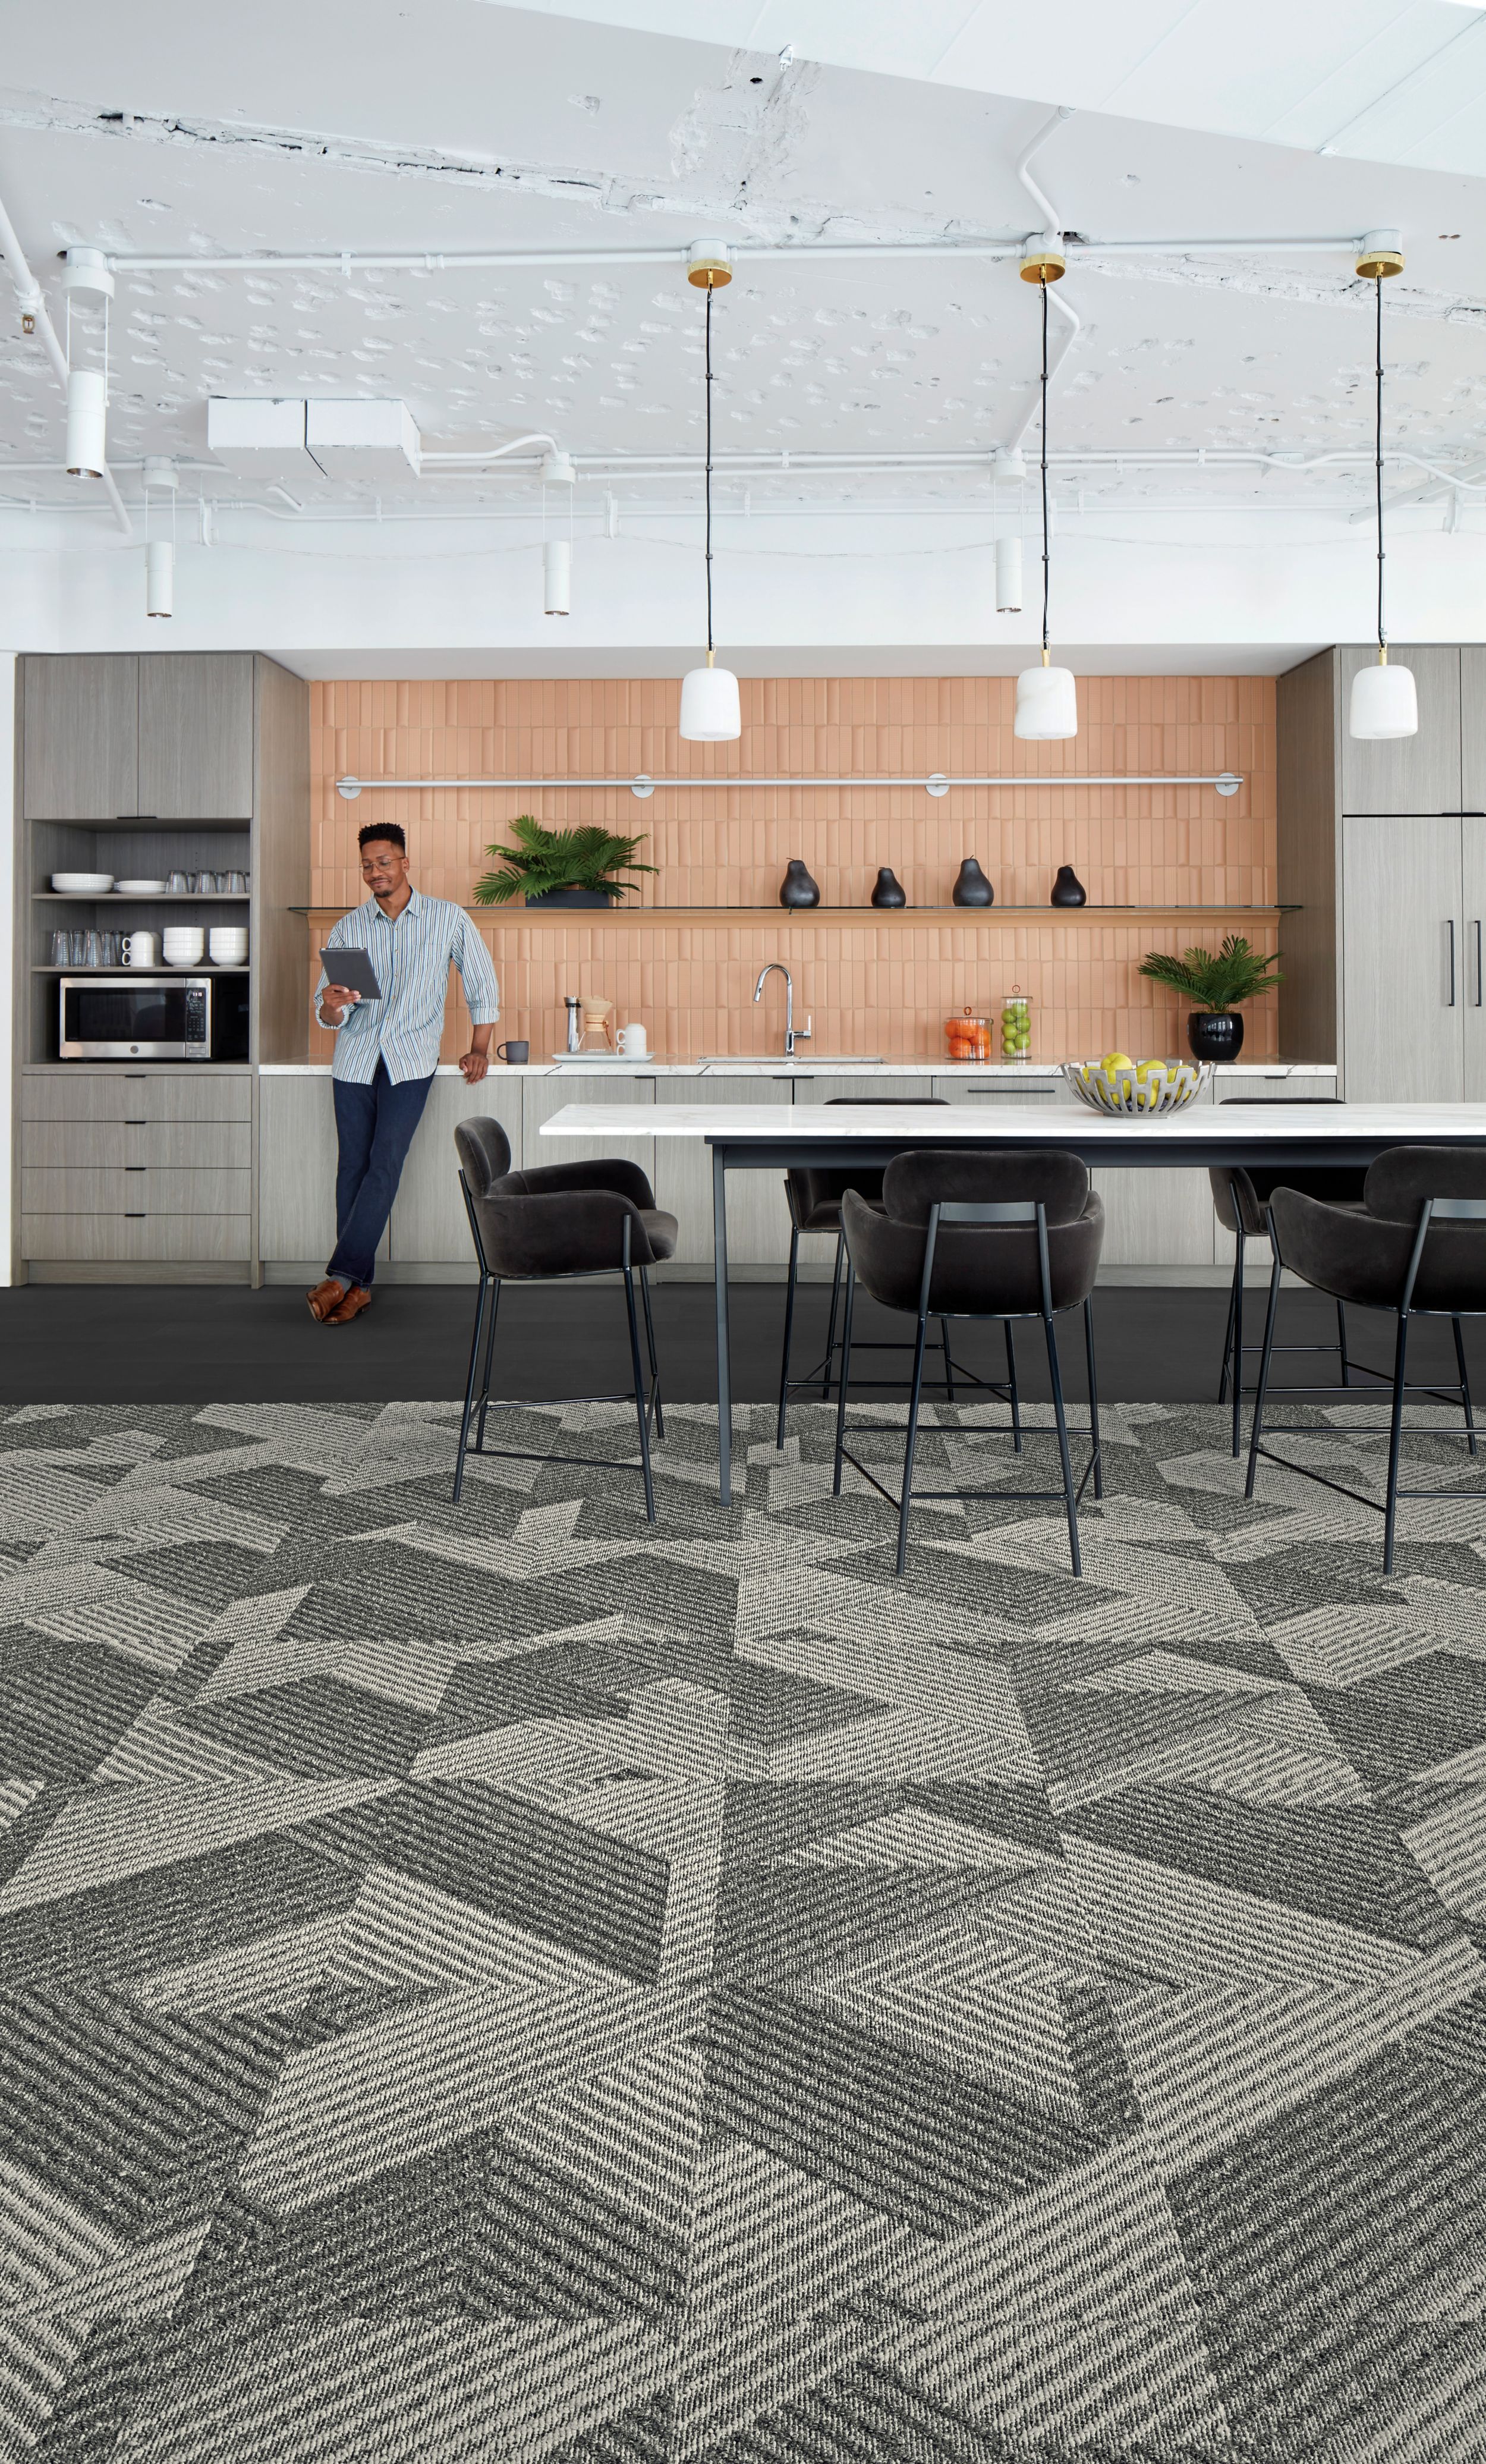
[[871, 987]]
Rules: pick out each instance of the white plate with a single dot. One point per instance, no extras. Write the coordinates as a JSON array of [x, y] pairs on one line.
[[138, 888], [581, 1060], [82, 885]]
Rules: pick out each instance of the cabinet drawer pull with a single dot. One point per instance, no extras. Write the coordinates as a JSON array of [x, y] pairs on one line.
[[134, 1214], [134, 1167], [131, 1123]]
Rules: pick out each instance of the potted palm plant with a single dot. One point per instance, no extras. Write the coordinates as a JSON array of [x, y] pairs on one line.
[[1215, 983], [560, 868]]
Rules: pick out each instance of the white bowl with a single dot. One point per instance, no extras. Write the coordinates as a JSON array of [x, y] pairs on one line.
[[184, 949], [137, 888], [227, 949], [82, 885]]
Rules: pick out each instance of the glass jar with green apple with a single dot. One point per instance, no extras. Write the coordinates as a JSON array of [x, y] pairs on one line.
[[1017, 1026]]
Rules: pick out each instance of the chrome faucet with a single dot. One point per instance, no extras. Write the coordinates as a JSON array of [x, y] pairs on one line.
[[775, 968]]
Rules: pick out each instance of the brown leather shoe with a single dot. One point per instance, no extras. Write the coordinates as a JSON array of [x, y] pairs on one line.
[[325, 1297], [357, 1299]]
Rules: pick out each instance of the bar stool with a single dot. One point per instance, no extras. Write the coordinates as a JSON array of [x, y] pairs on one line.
[[976, 1235], [1416, 1245], [814, 1194], [1240, 1199], [556, 1225]]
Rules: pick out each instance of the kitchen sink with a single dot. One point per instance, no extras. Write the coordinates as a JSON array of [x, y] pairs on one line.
[[797, 1060]]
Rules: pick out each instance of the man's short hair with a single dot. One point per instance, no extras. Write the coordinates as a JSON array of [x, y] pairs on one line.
[[391, 831]]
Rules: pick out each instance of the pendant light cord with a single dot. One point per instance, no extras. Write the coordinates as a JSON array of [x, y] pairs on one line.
[[709, 481], [1378, 472], [1045, 572]]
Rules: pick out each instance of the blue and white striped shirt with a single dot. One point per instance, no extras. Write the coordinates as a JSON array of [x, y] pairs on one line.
[[411, 955]]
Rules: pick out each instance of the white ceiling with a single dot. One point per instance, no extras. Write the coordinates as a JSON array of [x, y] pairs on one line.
[[1386, 83], [302, 125]]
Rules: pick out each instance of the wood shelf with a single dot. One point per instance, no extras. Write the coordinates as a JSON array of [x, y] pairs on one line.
[[843, 918]]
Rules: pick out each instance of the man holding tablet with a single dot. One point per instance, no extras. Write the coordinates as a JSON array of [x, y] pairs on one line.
[[385, 1002]]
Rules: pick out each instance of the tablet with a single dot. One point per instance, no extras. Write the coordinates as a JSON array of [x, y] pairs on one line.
[[353, 969]]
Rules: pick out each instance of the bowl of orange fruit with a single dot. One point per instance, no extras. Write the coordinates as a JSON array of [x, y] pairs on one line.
[[1118, 1084]]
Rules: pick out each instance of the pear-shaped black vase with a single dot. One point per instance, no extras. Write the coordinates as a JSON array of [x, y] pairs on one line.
[[797, 888], [972, 888], [889, 890], [1068, 889]]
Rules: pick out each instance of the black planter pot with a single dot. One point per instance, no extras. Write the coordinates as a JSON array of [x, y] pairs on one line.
[[889, 890], [1068, 889], [972, 888], [797, 888], [572, 898], [1214, 1034]]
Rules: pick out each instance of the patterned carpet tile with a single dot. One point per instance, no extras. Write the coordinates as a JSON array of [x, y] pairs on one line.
[[512, 1981]]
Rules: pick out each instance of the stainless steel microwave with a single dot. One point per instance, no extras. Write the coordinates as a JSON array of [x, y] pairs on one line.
[[134, 1017]]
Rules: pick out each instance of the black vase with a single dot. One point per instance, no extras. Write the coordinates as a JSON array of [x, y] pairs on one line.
[[1068, 889], [797, 888], [1214, 1034], [889, 890], [972, 888]]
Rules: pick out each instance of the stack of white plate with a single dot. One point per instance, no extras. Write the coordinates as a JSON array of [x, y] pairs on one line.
[[183, 945], [227, 944], [138, 888]]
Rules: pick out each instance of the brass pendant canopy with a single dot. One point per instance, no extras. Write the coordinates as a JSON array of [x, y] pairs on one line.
[[1380, 255], [1042, 259], [709, 264]]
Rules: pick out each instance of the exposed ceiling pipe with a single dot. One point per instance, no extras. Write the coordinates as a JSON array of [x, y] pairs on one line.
[[27, 292]]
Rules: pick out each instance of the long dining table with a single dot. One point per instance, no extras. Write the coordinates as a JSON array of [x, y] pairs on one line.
[[744, 1137]]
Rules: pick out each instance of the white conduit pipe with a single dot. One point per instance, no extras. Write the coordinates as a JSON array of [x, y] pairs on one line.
[[347, 261], [937, 783], [28, 290]]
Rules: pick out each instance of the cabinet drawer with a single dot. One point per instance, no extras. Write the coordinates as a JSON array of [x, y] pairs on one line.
[[996, 1091], [143, 1190], [88, 1145], [130, 1095], [126, 1237]]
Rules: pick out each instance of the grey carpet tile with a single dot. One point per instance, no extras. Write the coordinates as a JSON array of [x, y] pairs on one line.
[[509, 1982]]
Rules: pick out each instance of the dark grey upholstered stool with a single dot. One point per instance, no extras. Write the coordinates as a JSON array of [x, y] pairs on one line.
[[1239, 1199], [565, 1221], [1416, 1245], [976, 1235], [814, 1194]]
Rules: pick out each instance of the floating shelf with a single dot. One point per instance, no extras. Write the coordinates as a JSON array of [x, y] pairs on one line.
[[144, 897], [843, 918]]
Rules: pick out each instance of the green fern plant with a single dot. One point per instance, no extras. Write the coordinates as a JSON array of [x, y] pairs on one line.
[[544, 860], [1218, 981]]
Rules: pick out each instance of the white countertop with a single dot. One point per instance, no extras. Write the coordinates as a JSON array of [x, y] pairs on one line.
[[1196, 1124], [775, 1065]]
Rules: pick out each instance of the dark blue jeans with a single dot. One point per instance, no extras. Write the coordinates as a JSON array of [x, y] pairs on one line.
[[374, 1129]]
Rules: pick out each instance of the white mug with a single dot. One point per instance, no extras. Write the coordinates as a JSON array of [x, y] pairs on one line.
[[141, 950], [632, 1040]]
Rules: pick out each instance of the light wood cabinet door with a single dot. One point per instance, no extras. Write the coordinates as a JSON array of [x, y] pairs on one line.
[[758, 1221], [296, 1169], [123, 1239], [1403, 971], [1472, 728], [1408, 774], [429, 1224], [195, 760], [541, 1097], [1473, 991], [136, 1095], [81, 718]]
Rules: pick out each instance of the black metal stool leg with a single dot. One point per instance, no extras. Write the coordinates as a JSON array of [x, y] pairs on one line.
[[1228, 1339], [1256, 1423], [789, 1332], [1088, 1347], [845, 1376], [1395, 1439], [490, 1355], [1347, 1366], [1070, 1499], [1464, 1385], [1238, 1360], [830, 1339], [949, 1365], [642, 1408], [655, 1366], [1011, 1379], [911, 1447], [474, 1362]]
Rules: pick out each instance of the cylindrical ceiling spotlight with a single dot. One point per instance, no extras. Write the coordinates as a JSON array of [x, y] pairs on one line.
[[159, 578], [1008, 575], [87, 423], [557, 577]]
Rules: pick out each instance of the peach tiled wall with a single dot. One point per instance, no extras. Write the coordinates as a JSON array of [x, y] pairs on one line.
[[872, 986]]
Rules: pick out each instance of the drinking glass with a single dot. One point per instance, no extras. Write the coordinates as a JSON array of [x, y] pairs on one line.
[[61, 949], [180, 881], [76, 949], [237, 884], [92, 949], [208, 882], [113, 948]]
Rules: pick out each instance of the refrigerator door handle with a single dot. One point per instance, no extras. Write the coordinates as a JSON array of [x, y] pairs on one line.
[[1478, 988], [1450, 998]]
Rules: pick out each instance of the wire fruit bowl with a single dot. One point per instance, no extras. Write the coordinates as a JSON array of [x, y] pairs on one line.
[[1146, 1088]]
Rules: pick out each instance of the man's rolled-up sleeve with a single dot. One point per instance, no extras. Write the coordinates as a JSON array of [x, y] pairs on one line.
[[478, 975]]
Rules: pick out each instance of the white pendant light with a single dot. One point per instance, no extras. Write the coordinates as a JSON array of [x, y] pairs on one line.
[[1008, 575], [87, 423], [1384, 700], [711, 712], [1047, 701], [159, 578], [557, 577]]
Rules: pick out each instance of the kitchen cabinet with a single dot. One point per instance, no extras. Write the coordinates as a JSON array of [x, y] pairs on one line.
[[144, 1097], [1407, 773], [758, 1222], [1472, 990], [1407, 957], [604, 1084], [429, 1225], [80, 718], [296, 1169], [195, 736]]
